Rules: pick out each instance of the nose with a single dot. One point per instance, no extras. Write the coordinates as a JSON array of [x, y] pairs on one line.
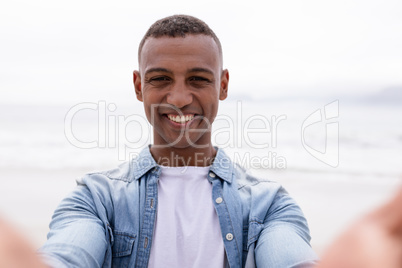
[[179, 95]]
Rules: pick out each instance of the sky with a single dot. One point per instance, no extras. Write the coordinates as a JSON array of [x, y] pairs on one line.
[[74, 51]]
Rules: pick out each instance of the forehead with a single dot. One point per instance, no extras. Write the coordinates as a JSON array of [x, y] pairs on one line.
[[191, 51]]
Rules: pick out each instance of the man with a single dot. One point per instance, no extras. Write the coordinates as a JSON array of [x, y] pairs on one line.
[[182, 202]]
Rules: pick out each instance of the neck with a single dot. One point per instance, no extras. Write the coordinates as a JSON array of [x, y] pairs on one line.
[[178, 157]]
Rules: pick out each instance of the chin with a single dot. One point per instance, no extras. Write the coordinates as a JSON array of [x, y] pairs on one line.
[[185, 144]]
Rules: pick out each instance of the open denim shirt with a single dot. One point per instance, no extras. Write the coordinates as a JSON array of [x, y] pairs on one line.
[[108, 220]]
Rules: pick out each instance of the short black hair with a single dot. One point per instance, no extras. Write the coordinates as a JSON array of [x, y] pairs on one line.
[[179, 26]]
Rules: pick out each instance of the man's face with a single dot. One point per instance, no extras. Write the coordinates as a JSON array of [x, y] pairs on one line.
[[180, 81]]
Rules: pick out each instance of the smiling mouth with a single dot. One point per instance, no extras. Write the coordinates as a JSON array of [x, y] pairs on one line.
[[180, 119]]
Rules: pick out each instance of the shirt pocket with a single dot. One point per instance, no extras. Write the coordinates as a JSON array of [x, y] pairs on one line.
[[122, 248]]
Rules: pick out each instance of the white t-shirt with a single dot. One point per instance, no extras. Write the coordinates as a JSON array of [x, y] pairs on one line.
[[187, 231]]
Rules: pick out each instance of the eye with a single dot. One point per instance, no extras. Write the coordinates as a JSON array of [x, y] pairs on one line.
[[159, 80], [199, 81], [198, 78]]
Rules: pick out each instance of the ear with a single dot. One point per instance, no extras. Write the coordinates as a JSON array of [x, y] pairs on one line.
[[137, 85], [223, 93]]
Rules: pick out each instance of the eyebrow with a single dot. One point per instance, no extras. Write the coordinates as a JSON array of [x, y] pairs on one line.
[[193, 70], [157, 70], [203, 70]]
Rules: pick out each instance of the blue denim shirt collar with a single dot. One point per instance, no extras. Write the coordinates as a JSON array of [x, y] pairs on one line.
[[222, 165], [142, 163]]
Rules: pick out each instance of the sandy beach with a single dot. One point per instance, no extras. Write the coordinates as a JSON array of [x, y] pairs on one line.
[[29, 198]]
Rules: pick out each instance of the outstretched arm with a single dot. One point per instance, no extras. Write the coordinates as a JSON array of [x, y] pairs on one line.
[[285, 239], [77, 236]]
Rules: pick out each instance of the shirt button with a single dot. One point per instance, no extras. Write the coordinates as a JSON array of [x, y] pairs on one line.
[[212, 175], [229, 236], [219, 200]]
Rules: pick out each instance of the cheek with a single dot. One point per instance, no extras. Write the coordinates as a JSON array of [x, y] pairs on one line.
[[149, 108], [212, 110], [147, 112]]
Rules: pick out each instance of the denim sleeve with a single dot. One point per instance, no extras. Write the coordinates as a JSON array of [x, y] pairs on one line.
[[285, 239], [77, 236]]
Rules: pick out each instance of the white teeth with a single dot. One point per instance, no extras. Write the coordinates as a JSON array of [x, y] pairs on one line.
[[181, 119]]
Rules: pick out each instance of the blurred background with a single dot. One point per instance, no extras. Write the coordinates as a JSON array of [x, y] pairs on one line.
[[67, 104]]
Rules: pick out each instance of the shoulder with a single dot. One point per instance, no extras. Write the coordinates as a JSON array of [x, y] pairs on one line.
[[262, 197], [107, 181], [114, 188], [126, 172], [267, 204], [120, 173], [246, 182]]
